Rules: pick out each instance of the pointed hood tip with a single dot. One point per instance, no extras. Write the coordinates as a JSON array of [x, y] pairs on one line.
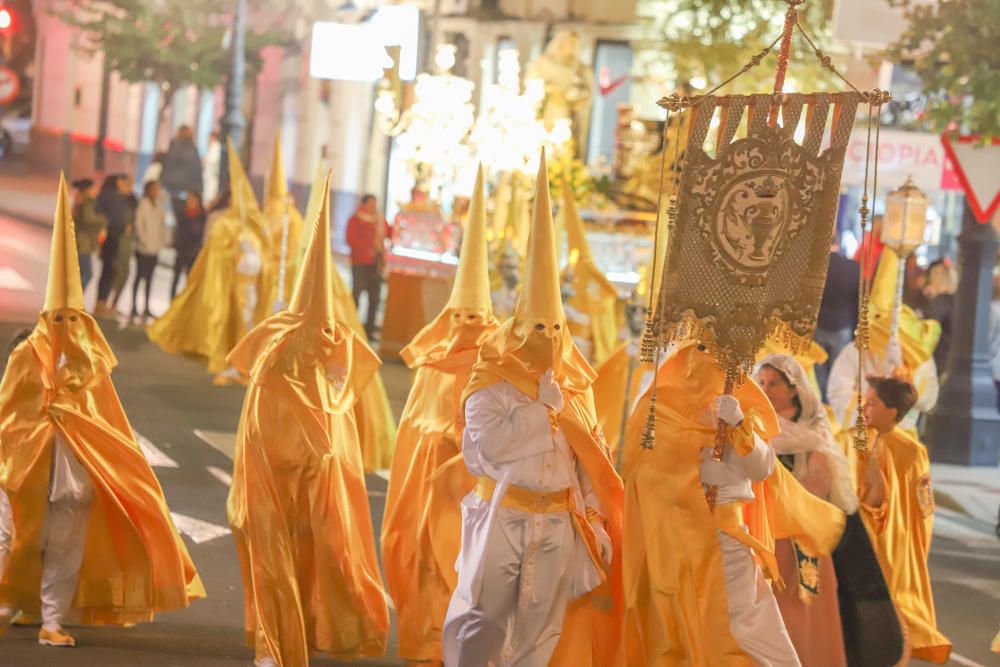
[[64, 288], [313, 297], [541, 298], [471, 289]]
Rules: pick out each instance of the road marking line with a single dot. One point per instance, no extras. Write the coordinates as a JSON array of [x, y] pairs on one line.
[[199, 531], [962, 660], [945, 526], [13, 281], [988, 587], [153, 454], [220, 441], [965, 554], [221, 475]]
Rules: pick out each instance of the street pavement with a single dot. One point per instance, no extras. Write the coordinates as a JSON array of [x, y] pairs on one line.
[[187, 428]]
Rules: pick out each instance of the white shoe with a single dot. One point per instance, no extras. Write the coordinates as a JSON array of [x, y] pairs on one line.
[[265, 662]]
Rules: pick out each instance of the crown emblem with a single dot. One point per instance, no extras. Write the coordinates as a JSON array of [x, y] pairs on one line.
[[768, 189]]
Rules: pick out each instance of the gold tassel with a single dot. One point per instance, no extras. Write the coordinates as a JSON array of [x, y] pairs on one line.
[[647, 348], [649, 433], [860, 432]]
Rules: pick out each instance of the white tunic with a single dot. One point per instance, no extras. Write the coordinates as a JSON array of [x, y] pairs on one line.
[[508, 438], [517, 569]]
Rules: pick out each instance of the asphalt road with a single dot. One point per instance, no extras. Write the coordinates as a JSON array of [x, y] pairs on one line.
[[188, 424]]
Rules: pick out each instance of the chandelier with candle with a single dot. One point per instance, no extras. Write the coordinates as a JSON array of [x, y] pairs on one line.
[[431, 135], [509, 134]]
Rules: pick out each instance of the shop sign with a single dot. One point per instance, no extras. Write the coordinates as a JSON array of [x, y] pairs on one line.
[[919, 155]]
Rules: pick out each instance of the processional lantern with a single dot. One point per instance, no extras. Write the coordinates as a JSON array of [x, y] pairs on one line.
[[905, 219], [903, 228], [750, 210]]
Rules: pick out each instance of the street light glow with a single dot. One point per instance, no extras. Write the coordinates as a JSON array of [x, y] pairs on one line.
[[5, 18]]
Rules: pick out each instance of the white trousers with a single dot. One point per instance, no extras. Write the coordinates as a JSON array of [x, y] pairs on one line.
[[63, 541], [518, 619], [754, 618], [6, 530]]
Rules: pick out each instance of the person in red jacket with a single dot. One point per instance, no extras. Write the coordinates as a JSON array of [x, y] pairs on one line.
[[367, 233]]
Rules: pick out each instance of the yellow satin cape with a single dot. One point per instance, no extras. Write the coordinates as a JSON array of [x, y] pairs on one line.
[[675, 594], [593, 293], [205, 318], [373, 413], [422, 525], [901, 531], [135, 563], [610, 391], [298, 504]]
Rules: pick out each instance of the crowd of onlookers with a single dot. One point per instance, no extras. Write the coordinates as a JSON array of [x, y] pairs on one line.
[[929, 291], [119, 223]]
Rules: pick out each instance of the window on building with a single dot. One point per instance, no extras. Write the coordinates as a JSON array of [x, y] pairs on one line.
[[612, 86]]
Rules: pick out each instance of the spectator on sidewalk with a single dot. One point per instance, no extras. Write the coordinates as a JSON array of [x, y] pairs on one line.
[[181, 168], [154, 172], [210, 167], [940, 305], [114, 204], [90, 224], [152, 236], [188, 237], [126, 248], [838, 312], [367, 232]]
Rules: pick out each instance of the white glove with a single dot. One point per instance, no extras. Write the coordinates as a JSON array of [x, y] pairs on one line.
[[549, 392], [727, 408], [603, 542]]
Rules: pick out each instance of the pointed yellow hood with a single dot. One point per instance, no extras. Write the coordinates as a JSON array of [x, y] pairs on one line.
[[64, 289], [459, 329], [917, 338], [277, 186], [541, 300], [575, 232], [883, 294], [536, 338], [239, 184], [312, 297], [471, 289]]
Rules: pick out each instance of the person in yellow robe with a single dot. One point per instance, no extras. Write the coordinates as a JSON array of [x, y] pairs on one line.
[[373, 413], [695, 567], [592, 309], [298, 505], [230, 287], [913, 359], [623, 375], [897, 505], [539, 570], [90, 526], [285, 225], [422, 526]]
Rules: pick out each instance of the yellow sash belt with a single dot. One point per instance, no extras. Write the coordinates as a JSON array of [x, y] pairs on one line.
[[526, 500], [729, 519]]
